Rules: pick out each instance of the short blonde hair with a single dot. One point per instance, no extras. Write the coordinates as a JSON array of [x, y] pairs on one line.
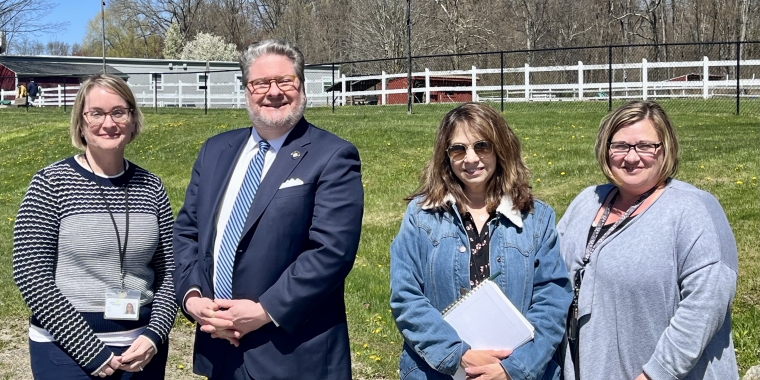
[[631, 113], [112, 83]]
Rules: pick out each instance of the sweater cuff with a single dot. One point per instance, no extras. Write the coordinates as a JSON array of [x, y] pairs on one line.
[[154, 338], [98, 362], [656, 371]]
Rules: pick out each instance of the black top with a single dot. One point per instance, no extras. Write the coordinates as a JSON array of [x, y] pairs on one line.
[[607, 227], [480, 267]]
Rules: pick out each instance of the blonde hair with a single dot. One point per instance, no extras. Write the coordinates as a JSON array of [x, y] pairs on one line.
[[114, 84], [510, 177], [631, 113]]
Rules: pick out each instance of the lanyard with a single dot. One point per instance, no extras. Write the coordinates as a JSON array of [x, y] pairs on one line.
[[593, 242], [122, 249], [572, 326]]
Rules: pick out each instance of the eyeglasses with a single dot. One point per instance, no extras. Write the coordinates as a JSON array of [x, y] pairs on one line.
[[642, 149], [118, 115], [481, 148], [283, 82]]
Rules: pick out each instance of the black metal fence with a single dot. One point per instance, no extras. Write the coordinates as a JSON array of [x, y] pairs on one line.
[[716, 77]]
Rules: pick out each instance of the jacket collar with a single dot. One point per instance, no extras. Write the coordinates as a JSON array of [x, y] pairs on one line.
[[505, 208]]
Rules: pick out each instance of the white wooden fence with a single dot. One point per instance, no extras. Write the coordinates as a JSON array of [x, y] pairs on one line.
[[226, 95]]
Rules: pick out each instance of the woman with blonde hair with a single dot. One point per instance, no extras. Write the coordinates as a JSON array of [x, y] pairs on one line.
[[653, 260], [92, 232], [474, 215]]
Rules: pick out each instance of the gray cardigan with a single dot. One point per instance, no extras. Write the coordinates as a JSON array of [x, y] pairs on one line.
[[656, 296]]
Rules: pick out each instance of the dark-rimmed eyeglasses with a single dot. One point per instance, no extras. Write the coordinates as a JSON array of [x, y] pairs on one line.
[[642, 149], [481, 148], [283, 82], [98, 117]]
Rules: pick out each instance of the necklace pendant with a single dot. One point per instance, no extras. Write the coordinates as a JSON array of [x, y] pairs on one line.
[[483, 218]]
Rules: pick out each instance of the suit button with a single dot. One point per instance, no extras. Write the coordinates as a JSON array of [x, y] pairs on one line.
[[462, 249], [239, 251], [498, 259], [462, 291]]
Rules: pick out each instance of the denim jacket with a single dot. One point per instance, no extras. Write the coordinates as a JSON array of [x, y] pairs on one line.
[[430, 261]]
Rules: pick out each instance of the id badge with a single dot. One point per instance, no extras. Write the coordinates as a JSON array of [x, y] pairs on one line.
[[122, 304]]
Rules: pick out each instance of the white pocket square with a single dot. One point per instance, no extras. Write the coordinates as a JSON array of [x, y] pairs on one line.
[[291, 182]]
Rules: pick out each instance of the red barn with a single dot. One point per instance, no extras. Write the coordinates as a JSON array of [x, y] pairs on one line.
[[47, 74], [436, 96]]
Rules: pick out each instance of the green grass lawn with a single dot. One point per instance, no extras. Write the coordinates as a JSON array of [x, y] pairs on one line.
[[719, 153]]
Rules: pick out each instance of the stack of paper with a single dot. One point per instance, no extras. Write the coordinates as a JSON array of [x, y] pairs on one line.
[[486, 320]]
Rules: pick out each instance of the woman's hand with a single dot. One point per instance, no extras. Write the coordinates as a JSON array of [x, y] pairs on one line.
[[487, 372], [643, 376], [138, 355], [474, 358], [109, 367]]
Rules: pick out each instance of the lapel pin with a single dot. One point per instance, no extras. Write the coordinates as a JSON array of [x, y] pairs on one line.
[[295, 154]]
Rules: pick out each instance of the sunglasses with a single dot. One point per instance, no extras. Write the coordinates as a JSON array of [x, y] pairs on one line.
[[482, 149]]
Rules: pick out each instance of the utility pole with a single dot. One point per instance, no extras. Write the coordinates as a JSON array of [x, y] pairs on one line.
[[103, 28], [409, 95]]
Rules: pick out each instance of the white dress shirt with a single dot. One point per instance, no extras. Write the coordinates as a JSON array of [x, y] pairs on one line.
[[233, 187]]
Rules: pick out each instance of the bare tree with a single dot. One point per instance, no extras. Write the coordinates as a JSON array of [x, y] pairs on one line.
[[24, 45], [269, 13], [162, 13], [57, 48], [15, 17]]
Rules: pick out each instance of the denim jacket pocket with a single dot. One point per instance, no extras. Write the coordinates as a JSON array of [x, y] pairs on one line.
[[516, 279]]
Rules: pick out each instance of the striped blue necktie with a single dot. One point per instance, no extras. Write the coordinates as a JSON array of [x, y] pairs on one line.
[[231, 237]]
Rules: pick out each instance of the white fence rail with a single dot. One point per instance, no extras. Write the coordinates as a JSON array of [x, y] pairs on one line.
[[230, 95]]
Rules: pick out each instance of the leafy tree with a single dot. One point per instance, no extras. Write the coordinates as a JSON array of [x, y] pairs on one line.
[[208, 47], [126, 34]]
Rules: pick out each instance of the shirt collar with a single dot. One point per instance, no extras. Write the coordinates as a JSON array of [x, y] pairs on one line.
[[506, 207], [274, 144]]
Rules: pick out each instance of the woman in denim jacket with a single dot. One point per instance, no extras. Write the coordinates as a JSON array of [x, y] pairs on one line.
[[473, 216]]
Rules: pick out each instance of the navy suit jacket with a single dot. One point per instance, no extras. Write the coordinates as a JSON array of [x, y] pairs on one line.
[[298, 244]]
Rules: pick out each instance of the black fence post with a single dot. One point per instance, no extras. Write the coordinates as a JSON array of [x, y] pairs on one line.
[[155, 92], [738, 67], [609, 78], [502, 81], [205, 93], [333, 87]]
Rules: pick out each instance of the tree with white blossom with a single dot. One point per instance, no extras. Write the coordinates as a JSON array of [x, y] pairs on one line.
[[208, 47], [174, 42]]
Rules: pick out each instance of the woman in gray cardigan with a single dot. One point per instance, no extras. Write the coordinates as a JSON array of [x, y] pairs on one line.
[[653, 261]]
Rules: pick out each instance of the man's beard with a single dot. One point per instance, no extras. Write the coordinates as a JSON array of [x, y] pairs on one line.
[[283, 123]]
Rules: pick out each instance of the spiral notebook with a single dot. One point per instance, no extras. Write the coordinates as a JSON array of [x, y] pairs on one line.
[[487, 320]]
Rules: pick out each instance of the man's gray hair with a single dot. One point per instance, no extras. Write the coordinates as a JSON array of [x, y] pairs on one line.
[[277, 47]]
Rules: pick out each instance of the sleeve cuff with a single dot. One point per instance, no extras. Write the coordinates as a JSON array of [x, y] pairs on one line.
[[101, 360], [193, 289], [656, 371], [154, 338], [270, 317]]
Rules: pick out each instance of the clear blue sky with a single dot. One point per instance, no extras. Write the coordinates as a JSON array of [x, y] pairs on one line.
[[77, 13]]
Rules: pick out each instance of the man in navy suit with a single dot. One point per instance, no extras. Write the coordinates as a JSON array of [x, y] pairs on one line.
[[285, 317]]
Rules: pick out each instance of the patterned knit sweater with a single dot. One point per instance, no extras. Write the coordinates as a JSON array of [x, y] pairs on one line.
[[65, 255]]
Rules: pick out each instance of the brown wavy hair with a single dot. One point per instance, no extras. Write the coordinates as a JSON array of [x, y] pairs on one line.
[[510, 178]]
